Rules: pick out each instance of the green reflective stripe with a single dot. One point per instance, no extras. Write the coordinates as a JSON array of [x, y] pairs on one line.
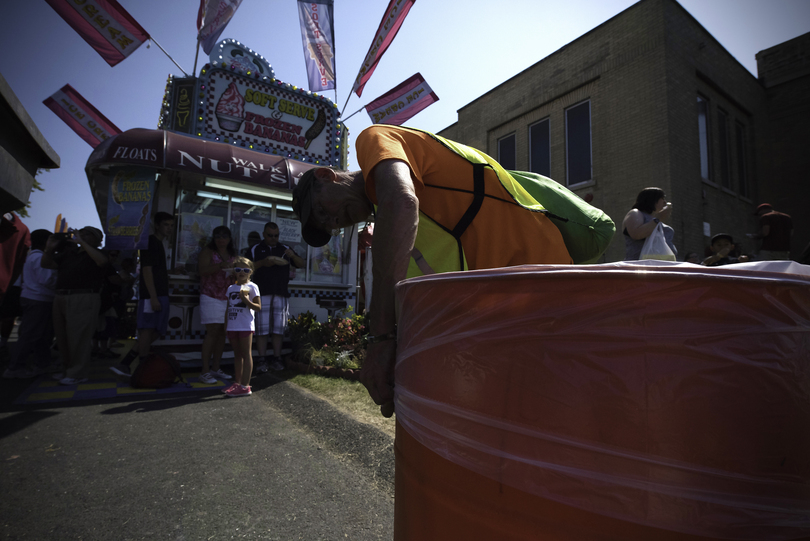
[[515, 189]]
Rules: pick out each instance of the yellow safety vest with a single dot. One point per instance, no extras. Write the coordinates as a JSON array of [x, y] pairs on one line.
[[438, 249]]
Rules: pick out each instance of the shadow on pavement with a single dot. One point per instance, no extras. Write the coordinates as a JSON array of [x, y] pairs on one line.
[[22, 420]]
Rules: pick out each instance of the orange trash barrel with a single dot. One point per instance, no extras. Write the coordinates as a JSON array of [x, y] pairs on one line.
[[626, 401]]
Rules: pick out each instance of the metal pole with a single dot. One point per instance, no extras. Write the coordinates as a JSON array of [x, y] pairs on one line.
[[196, 54], [347, 103], [167, 54], [354, 113]]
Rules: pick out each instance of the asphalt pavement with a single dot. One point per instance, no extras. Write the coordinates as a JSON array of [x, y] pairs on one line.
[[281, 464]]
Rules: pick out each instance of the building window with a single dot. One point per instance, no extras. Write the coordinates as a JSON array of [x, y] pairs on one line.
[[703, 132], [507, 150], [201, 211], [742, 170], [578, 143], [722, 137], [539, 148]]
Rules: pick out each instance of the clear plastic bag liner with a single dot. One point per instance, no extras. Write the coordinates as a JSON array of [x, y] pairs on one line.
[[665, 394]]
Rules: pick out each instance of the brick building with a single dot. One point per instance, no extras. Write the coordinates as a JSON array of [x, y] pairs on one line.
[[650, 98]]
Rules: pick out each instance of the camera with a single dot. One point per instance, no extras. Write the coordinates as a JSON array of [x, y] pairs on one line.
[[63, 247]]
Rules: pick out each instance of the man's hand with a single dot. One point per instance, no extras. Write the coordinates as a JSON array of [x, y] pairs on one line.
[[156, 306], [273, 260], [53, 242], [725, 251], [378, 372], [77, 239]]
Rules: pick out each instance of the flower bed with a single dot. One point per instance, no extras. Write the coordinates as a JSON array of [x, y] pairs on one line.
[[335, 348]]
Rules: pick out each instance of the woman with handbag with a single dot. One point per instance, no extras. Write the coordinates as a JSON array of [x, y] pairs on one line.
[[650, 210]]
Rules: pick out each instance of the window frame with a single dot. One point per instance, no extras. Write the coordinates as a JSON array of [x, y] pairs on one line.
[[547, 149], [513, 137], [567, 143], [724, 149], [704, 138], [741, 147]]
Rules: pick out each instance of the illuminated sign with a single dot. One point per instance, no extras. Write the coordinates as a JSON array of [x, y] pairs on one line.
[[182, 119], [237, 100]]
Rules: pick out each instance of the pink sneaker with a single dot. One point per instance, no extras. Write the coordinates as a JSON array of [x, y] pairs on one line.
[[230, 388], [239, 390]]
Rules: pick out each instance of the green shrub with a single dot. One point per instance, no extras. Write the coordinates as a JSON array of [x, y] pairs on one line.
[[340, 341]]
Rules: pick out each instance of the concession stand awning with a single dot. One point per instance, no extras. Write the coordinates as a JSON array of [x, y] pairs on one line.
[[171, 152]]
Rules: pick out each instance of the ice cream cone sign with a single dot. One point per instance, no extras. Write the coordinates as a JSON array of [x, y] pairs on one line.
[[316, 128]]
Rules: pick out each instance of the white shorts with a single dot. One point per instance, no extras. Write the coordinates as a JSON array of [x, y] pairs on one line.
[[279, 309], [212, 310]]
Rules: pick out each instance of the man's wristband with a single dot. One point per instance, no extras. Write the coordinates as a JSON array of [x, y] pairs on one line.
[[382, 337]]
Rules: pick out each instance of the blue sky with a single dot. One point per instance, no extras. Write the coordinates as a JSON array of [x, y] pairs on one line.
[[463, 48]]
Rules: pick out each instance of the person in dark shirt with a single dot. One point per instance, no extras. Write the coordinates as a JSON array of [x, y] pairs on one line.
[[272, 261], [153, 294], [82, 271], [722, 248]]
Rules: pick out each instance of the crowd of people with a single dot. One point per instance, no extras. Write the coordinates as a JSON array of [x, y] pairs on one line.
[[651, 211], [74, 293]]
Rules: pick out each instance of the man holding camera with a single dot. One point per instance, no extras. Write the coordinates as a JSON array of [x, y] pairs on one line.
[[81, 267]]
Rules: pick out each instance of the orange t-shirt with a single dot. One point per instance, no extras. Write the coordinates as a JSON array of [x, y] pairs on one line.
[[503, 234]]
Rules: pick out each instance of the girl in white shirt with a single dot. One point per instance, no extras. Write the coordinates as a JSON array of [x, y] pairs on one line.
[[243, 299]]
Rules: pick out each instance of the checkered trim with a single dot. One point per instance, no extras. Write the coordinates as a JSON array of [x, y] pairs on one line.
[[192, 334], [184, 289], [226, 77], [312, 293], [176, 334]]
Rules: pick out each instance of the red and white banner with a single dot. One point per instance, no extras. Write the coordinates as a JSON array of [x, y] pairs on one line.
[[389, 26], [81, 116], [401, 103], [104, 25], [318, 34], [212, 18]]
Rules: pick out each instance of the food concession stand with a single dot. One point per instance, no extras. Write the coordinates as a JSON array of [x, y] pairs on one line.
[[230, 146]]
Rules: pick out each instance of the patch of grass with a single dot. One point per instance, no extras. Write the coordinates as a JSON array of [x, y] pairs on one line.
[[348, 396]]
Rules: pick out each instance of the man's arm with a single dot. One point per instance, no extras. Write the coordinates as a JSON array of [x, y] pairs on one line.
[[95, 254], [149, 281], [296, 259], [47, 261], [394, 236]]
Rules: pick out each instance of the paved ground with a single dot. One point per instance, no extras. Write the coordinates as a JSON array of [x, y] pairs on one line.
[[282, 464]]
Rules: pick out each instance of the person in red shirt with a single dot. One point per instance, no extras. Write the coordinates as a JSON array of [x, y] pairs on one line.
[[15, 240], [775, 230]]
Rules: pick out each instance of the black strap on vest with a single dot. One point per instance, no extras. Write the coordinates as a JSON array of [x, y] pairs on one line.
[[472, 210], [475, 206]]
